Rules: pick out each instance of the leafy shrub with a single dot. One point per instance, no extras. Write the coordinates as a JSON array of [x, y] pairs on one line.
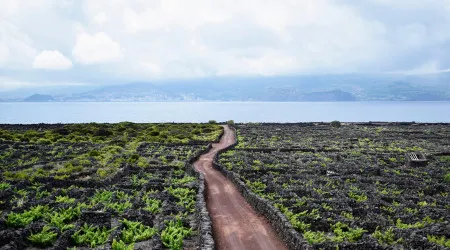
[[133, 158], [91, 235], [135, 231], [387, 237], [357, 197], [44, 141], [61, 218], [64, 199], [212, 122], [343, 232], [103, 132], [4, 185], [119, 207], [401, 225], [120, 245], [101, 196], [185, 196], [256, 186], [142, 162], [102, 173], [43, 238], [152, 205], [174, 233], [22, 219], [183, 181], [94, 153], [294, 219], [447, 178], [439, 240], [314, 237], [336, 124]]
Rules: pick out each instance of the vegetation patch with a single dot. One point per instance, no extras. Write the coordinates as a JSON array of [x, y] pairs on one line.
[[100, 185]]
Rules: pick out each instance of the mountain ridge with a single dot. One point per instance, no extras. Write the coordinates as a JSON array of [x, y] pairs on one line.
[[277, 89]]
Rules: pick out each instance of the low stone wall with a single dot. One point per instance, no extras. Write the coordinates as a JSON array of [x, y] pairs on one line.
[[277, 219], [204, 221]]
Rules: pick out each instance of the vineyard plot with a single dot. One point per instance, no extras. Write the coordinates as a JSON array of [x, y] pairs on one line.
[[349, 187], [119, 186]]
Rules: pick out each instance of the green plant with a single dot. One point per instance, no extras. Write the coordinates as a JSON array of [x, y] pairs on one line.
[[91, 235], [185, 196], [22, 219], [347, 215], [256, 186], [64, 199], [447, 178], [387, 237], [4, 185], [401, 225], [326, 207], [120, 245], [293, 218], [357, 197], [152, 205], [43, 238], [136, 181], [343, 232], [172, 236], [102, 173], [119, 207], [439, 240], [101, 196], [336, 124], [314, 237], [183, 181], [134, 231], [41, 194], [61, 218]]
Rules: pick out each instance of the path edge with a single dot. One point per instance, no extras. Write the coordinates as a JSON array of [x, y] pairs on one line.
[[278, 220], [204, 226]]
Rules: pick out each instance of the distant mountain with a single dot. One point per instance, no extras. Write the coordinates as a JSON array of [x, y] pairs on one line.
[[39, 98], [329, 96], [350, 87]]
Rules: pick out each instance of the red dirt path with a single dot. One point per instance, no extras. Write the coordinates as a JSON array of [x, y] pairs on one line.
[[236, 225]]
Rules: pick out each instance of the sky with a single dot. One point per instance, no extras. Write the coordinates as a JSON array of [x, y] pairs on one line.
[[77, 42]]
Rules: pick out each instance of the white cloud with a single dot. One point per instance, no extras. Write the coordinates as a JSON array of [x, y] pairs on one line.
[[430, 67], [9, 83], [97, 48], [4, 54], [138, 39], [51, 59], [16, 48]]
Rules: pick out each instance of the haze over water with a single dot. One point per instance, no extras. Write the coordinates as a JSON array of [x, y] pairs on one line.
[[81, 112]]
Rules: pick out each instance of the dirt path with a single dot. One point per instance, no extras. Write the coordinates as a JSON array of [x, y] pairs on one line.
[[236, 225]]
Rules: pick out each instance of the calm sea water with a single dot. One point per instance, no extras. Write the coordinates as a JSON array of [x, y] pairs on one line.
[[77, 112]]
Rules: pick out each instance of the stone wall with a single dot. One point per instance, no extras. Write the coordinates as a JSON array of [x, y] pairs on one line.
[[204, 221]]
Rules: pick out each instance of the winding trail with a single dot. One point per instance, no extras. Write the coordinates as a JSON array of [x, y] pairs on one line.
[[236, 225]]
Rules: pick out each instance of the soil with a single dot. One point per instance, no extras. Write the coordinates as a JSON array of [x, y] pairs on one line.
[[236, 225]]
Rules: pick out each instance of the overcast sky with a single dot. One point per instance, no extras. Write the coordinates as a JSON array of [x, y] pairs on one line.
[[86, 41]]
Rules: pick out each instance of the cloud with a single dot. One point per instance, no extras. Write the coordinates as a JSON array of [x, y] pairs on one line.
[[16, 48], [143, 40], [51, 59], [431, 67], [97, 48]]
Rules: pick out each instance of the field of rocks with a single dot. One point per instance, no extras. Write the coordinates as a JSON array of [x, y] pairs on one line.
[[104, 186], [351, 186]]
